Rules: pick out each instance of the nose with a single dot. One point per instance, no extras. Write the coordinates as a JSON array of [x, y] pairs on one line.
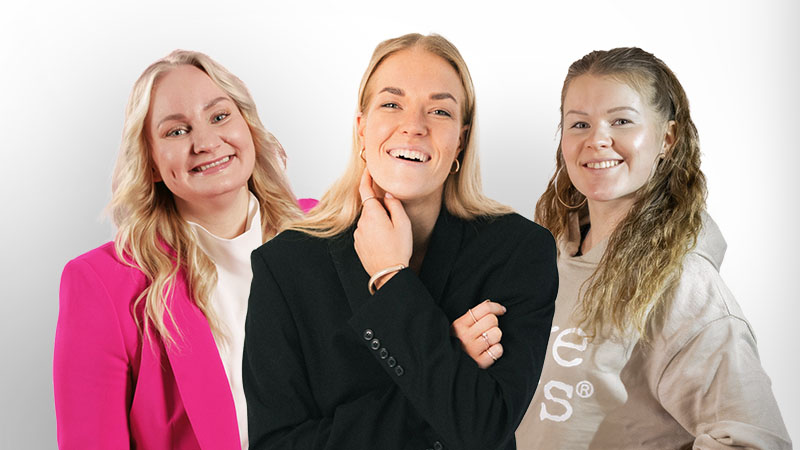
[[600, 137], [414, 123], [206, 139]]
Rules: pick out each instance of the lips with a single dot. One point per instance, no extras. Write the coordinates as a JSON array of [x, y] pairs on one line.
[[409, 154], [210, 165]]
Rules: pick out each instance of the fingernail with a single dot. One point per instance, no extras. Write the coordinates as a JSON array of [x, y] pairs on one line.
[[487, 300], [388, 195], [504, 308]]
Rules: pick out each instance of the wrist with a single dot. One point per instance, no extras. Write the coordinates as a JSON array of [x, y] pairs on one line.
[[380, 277]]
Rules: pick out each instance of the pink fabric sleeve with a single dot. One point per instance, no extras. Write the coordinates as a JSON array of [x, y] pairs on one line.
[[91, 371], [307, 203]]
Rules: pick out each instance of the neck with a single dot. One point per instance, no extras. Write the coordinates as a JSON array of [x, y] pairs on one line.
[[224, 216], [603, 219], [423, 217]]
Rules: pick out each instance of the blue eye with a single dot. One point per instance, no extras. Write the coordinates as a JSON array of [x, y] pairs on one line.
[[177, 132], [219, 117], [391, 105], [580, 125], [441, 112], [622, 122]]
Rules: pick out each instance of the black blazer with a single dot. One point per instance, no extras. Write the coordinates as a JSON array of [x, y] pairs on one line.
[[328, 366]]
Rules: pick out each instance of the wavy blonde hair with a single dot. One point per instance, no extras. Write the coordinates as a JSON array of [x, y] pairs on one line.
[[152, 236], [463, 193], [644, 256]]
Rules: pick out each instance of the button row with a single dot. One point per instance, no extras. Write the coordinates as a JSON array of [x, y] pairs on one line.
[[383, 353]]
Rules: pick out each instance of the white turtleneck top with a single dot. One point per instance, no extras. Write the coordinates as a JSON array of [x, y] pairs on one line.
[[229, 298]]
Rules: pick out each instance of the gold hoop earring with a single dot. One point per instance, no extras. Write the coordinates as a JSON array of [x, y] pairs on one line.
[[458, 167], [555, 182], [361, 154]]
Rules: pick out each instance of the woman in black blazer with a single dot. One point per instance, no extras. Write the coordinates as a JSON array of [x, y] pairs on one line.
[[348, 337]]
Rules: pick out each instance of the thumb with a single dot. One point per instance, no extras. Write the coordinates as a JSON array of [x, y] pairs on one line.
[[396, 211]]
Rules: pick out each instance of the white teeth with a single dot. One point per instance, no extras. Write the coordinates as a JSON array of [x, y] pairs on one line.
[[413, 155], [214, 164], [603, 164]]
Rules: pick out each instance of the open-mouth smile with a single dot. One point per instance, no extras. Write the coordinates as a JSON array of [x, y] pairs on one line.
[[210, 165], [407, 154]]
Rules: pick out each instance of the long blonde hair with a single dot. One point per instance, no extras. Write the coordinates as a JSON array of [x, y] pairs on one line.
[[463, 195], [152, 236], [643, 260]]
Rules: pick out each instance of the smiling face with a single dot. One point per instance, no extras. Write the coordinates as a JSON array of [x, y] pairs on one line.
[[610, 139], [201, 145], [411, 127]]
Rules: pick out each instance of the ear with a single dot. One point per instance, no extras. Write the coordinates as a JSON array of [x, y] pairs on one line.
[[462, 139], [156, 174], [361, 125], [670, 135]]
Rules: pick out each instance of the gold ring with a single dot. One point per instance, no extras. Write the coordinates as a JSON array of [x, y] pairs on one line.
[[470, 313], [365, 200], [491, 354]]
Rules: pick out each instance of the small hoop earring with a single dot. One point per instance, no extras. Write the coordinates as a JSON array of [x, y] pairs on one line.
[[458, 167], [361, 154], [555, 182]]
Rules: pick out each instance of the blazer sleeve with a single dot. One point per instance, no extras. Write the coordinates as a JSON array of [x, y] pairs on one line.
[[281, 407], [716, 389], [468, 408], [91, 371]]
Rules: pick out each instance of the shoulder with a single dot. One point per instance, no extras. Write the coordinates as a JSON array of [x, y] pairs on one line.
[[510, 230], [292, 251], [701, 301], [103, 262]]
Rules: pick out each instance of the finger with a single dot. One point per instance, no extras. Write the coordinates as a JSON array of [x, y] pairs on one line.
[[488, 307], [489, 357], [490, 337], [496, 350], [485, 324], [365, 186], [396, 211]]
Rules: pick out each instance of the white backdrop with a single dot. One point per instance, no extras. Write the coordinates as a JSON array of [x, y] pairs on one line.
[[67, 71]]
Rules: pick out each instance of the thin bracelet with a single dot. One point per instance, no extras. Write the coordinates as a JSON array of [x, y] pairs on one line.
[[380, 273]]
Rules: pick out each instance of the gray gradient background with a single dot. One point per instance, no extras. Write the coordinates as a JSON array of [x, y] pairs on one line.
[[67, 71]]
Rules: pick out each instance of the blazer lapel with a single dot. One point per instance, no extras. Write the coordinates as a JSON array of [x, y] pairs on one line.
[[199, 373], [349, 268], [442, 250]]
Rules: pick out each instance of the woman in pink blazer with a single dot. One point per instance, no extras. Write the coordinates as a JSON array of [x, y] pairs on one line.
[[150, 328]]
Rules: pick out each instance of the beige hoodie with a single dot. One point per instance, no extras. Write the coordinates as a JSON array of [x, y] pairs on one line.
[[698, 384]]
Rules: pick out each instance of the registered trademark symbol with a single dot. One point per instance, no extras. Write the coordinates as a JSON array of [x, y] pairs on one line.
[[584, 389]]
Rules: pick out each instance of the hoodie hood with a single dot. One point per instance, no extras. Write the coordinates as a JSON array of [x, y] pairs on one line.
[[711, 244]]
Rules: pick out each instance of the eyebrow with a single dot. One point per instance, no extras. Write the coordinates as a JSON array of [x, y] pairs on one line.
[[437, 96], [612, 110], [180, 116]]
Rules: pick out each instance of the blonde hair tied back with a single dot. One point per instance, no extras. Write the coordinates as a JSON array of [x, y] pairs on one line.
[[463, 196], [643, 260]]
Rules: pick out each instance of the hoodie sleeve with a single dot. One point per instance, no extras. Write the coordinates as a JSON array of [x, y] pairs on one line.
[[717, 390]]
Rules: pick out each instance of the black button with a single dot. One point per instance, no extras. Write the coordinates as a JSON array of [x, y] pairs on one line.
[[437, 445], [391, 362], [368, 334], [383, 353], [399, 371], [375, 344]]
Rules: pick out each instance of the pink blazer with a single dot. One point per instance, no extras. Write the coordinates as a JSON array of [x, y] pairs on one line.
[[112, 389]]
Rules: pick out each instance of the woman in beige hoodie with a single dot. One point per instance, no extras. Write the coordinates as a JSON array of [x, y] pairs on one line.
[[648, 348]]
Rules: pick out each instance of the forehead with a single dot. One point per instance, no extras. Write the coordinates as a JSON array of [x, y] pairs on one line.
[[418, 71], [184, 87], [590, 93]]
